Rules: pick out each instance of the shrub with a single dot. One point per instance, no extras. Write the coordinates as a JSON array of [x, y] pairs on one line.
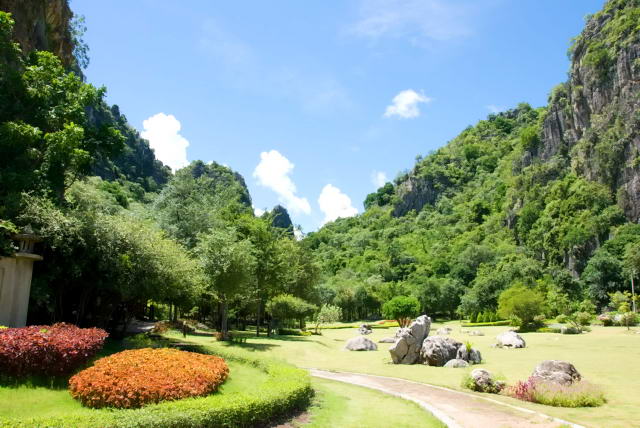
[[605, 319], [486, 324], [134, 378], [293, 332], [401, 309], [577, 394], [286, 391], [43, 350], [562, 318], [520, 303], [583, 318]]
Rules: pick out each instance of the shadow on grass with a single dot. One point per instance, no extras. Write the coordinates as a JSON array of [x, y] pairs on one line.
[[57, 383]]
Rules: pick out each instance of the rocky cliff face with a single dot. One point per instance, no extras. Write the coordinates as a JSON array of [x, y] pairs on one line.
[[42, 25], [594, 119]]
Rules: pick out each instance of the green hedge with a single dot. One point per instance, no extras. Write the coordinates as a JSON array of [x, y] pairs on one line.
[[485, 324], [286, 390]]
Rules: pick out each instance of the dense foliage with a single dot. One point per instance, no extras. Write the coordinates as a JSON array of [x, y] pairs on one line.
[[131, 379], [43, 350]]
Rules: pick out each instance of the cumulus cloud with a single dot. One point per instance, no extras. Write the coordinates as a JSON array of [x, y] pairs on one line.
[[335, 204], [258, 211], [405, 104], [414, 19], [274, 172], [378, 178], [163, 133]]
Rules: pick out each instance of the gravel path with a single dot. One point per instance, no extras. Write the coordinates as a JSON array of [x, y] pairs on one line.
[[456, 409]]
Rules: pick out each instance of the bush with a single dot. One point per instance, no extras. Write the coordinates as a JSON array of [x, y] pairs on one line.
[[486, 324], [520, 303], [583, 318], [402, 309], [43, 350], [134, 378], [578, 394], [293, 332], [286, 390], [562, 318], [605, 319]]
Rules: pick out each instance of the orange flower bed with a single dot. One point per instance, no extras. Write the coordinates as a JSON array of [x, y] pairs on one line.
[[134, 378]]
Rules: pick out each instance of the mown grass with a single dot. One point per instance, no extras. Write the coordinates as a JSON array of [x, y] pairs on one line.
[[21, 401], [342, 405], [606, 356]]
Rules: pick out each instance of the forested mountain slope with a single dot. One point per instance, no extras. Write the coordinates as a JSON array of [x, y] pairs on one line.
[[543, 197]]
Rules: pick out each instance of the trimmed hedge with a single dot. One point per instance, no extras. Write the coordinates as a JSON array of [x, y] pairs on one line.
[[486, 324], [134, 378], [286, 390], [44, 350]]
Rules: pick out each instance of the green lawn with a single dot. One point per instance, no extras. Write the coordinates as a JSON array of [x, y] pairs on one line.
[[341, 405], [607, 356], [17, 402]]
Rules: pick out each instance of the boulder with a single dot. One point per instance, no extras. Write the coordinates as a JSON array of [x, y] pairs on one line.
[[476, 333], [388, 340], [437, 350], [360, 343], [365, 329], [511, 339], [456, 363], [473, 356], [556, 371], [569, 330], [482, 381], [443, 331], [406, 349]]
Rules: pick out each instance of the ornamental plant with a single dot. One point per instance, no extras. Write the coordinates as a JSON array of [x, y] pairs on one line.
[[577, 394], [44, 350], [134, 378]]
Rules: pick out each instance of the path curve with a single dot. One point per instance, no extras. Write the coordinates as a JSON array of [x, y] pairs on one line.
[[454, 408]]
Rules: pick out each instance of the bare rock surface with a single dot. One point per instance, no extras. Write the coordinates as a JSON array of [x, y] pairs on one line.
[[406, 349]]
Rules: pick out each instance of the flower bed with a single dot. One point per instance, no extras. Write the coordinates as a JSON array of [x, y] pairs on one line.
[[134, 378], [287, 389], [47, 350], [577, 394]]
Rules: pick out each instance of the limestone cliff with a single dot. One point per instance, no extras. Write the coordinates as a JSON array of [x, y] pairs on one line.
[[42, 25]]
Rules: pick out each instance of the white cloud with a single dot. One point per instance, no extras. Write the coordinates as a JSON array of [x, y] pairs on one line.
[[298, 233], [258, 211], [273, 172], [378, 178], [335, 204], [414, 19], [405, 104], [163, 133], [495, 109]]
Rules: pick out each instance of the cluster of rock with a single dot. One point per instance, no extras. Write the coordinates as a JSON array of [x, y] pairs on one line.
[[414, 345], [482, 381], [365, 329]]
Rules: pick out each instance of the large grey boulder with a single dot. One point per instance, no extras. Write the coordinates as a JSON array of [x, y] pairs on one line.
[[482, 381], [365, 329], [472, 356], [409, 340], [569, 330], [360, 343], [456, 363], [511, 339], [437, 350], [556, 371]]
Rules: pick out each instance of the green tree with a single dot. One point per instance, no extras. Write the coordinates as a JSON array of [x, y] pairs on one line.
[[285, 307], [521, 304], [327, 314], [229, 265], [402, 309]]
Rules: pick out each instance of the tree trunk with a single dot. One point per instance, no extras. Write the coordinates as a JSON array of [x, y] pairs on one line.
[[259, 318], [223, 315]]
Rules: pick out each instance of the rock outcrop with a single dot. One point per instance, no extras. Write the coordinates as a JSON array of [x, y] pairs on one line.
[[409, 340], [437, 350], [360, 343], [510, 339], [42, 25], [555, 371]]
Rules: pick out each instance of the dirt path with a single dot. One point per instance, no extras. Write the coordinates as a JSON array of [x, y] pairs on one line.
[[456, 409]]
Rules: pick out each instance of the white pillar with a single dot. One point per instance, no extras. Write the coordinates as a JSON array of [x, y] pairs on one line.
[[15, 287]]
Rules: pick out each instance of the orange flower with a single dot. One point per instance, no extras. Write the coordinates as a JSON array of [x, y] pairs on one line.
[[134, 378]]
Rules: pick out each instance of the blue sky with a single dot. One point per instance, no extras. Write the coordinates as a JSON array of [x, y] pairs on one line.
[[316, 102]]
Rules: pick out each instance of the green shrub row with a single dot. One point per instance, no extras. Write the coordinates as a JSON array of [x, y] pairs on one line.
[[286, 390], [485, 324]]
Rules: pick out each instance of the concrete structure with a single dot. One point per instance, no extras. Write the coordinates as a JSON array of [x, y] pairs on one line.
[[15, 282]]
